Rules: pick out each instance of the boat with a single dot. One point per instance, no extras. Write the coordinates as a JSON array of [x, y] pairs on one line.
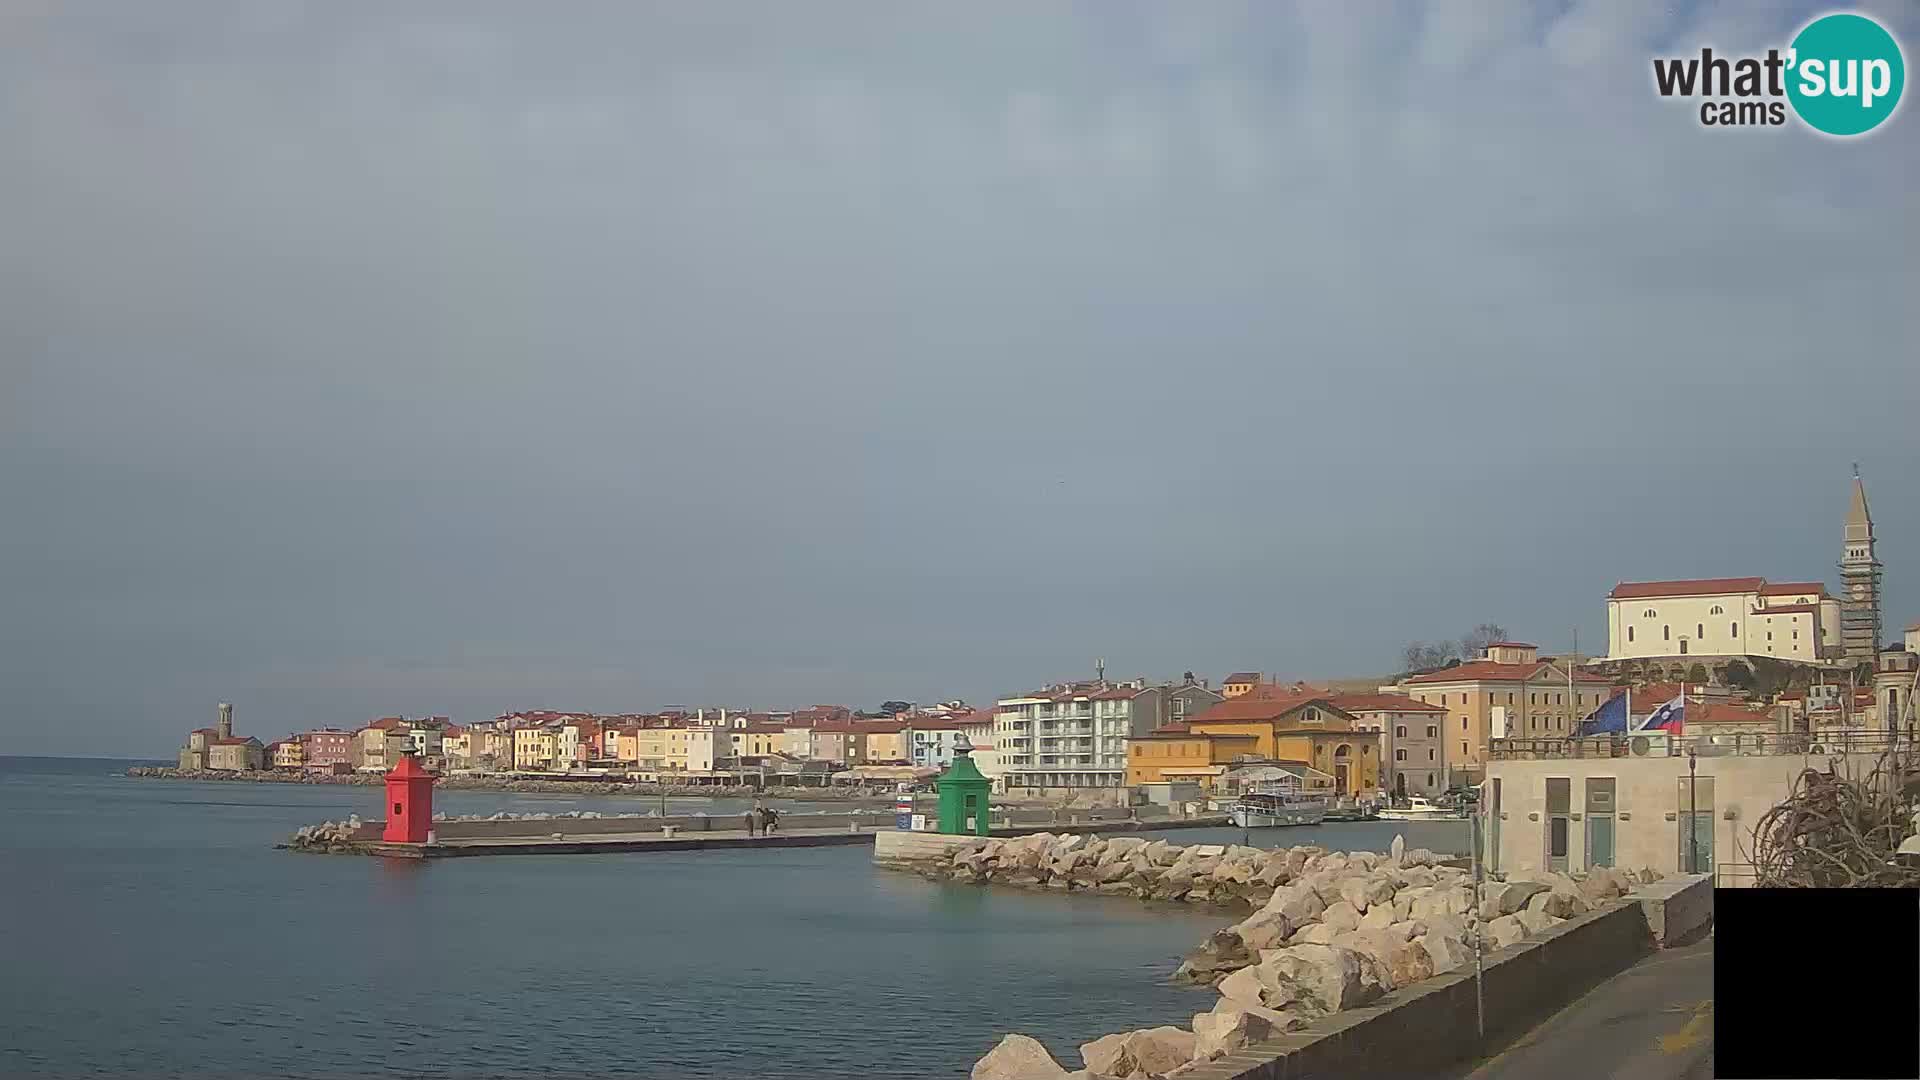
[[1263, 808], [1419, 809]]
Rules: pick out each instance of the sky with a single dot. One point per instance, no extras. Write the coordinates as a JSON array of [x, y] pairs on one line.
[[453, 358]]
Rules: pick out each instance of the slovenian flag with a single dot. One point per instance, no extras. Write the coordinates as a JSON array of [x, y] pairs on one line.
[[1608, 719], [1668, 717]]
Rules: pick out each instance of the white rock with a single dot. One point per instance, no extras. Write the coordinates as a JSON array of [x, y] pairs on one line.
[[1536, 921], [1298, 902], [1504, 931], [1445, 953], [1341, 916], [1505, 899], [1217, 1033], [1018, 1057], [1398, 852], [1149, 1052], [1264, 930], [1329, 977]]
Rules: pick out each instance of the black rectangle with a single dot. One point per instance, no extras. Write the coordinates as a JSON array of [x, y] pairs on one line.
[[1816, 983]]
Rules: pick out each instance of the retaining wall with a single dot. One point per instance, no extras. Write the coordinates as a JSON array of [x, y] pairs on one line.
[[1678, 909], [1421, 1029]]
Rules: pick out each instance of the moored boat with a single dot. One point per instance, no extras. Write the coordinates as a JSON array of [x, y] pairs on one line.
[[1270, 809], [1419, 809]]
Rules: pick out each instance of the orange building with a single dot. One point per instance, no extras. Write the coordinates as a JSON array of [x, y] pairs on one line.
[[1273, 724]]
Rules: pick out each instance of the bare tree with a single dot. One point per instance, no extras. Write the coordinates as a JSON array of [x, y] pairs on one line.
[[1427, 655], [1473, 644]]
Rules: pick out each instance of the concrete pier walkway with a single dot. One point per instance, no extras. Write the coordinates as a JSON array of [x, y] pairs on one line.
[[1653, 1021], [596, 842]]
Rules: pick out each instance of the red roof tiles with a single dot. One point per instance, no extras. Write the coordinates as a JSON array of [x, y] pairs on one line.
[[1635, 590], [1358, 703], [1793, 588], [1493, 671]]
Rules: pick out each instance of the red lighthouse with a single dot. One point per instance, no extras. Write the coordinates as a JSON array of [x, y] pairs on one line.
[[409, 802]]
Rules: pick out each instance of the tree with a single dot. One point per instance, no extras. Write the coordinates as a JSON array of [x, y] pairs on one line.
[[1427, 655], [1473, 644]]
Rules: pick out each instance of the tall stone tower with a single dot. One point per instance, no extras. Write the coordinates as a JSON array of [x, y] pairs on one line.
[[226, 721], [1859, 581]]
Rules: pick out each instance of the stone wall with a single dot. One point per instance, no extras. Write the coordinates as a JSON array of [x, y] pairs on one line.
[[1332, 933]]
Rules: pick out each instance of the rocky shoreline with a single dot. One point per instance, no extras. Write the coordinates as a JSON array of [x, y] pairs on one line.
[[592, 788], [1329, 931]]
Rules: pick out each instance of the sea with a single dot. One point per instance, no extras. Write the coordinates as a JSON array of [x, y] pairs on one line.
[[149, 928]]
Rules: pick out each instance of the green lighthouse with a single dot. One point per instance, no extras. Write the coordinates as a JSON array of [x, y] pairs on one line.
[[963, 796]]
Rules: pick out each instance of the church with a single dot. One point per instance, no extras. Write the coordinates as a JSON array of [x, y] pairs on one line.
[[1732, 630]]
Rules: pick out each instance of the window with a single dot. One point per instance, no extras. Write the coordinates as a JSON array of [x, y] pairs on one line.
[[1463, 748], [1433, 731], [1463, 723], [1699, 630], [1533, 699], [1509, 699], [1666, 633], [1796, 635], [1400, 732], [1399, 755], [1769, 638], [1432, 754], [1717, 610], [1733, 630], [1629, 633], [1649, 613]]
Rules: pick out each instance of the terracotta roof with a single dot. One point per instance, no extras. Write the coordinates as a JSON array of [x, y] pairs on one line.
[[1358, 703], [1634, 590], [1493, 671], [1511, 645], [1243, 677], [1718, 713], [236, 740], [1256, 707], [880, 727], [1792, 588]]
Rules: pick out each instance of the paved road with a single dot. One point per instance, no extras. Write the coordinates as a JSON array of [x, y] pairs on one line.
[[1653, 1021]]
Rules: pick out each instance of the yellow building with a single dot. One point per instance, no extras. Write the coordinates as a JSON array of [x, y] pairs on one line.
[[288, 754], [1273, 724], [535, 748], [1510, 693], [759, 740], [1169, 754], [1240, 684], [881, 741]]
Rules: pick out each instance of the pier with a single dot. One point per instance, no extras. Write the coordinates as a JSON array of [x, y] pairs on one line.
[[631, 835]]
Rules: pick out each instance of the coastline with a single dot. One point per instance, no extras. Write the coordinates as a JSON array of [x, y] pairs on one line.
[[594, 788]]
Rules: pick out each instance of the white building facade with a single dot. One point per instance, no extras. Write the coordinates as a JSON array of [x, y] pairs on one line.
[[1065, 737], [1710, 617]]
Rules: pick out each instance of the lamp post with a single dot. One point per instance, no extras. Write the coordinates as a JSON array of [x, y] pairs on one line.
[[1693, 802]]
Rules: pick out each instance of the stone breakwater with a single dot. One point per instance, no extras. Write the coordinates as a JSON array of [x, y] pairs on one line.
[[1329, 931], [594, 788]]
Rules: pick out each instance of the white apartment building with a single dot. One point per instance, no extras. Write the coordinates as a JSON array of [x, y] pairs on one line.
[[1067, 736]]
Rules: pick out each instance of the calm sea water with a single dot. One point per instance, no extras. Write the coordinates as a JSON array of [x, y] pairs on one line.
[[150, 929]]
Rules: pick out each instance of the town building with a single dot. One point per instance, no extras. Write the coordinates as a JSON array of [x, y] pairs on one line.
[[1413, 747], [379, 746], [326, 750], [217, 748], [931, 742], [1067, 736], [288, 754], [1509, 691], [1168, 703], [1569, 805], [1712, 620], [1239, 683], [1268, 725], [1895, 680]]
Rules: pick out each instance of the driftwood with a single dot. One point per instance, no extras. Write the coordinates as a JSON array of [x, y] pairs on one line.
[[1840, 830]]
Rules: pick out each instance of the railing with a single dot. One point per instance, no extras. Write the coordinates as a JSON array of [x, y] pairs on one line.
[[1660, 744], [1734, 875]]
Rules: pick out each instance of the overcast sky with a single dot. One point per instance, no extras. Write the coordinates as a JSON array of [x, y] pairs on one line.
[[359, 359]]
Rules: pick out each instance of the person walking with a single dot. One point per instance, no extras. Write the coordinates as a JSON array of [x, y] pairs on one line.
[[772, 821], [753, 821]]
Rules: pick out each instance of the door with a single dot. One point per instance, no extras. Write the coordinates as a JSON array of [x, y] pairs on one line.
[[1600, 790], [1559, 823], [1695, 819]]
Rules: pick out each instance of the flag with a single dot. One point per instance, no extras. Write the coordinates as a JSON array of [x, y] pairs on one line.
[[1668, 717], [1608, 719]]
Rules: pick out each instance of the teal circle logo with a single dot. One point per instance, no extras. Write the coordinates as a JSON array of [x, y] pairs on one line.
[[1845, 74]]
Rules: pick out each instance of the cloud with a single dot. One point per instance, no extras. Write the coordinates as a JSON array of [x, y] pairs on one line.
[[729, 351]]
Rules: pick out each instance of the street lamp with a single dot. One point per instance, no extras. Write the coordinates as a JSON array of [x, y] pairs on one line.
[[1693, 803]]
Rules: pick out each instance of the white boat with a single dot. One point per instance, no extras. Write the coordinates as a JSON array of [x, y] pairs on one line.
[[1419, 809], [1270, 809]]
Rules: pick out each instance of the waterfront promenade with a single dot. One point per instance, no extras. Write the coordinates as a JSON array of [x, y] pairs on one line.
[[1653, 1021]]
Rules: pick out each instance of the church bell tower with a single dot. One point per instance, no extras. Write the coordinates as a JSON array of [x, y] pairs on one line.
[[1859, 581]]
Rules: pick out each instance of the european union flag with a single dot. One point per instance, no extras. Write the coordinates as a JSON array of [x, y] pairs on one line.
[[1608, 719]]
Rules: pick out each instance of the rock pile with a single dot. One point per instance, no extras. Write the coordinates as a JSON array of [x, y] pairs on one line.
[[328, 836], [1332, 931]]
